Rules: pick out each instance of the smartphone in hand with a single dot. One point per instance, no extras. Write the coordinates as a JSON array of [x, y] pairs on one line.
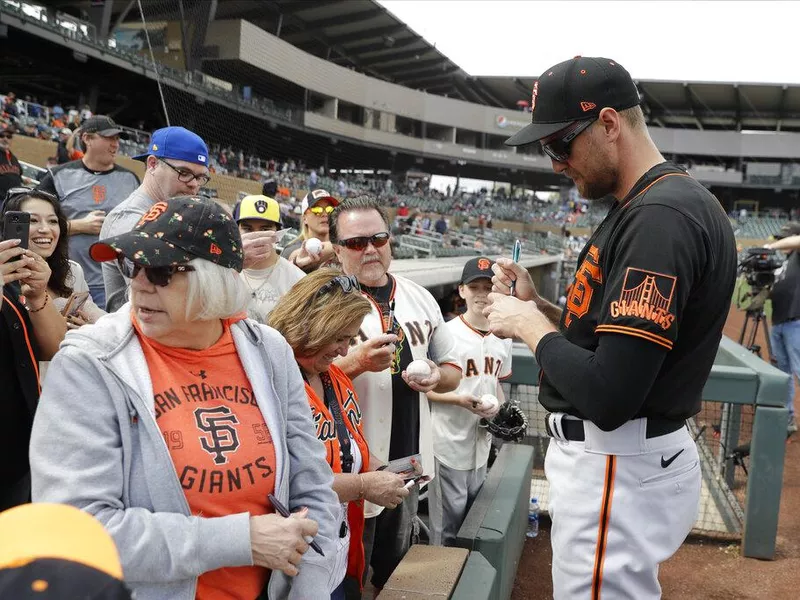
[[17, 226], [75, 303]]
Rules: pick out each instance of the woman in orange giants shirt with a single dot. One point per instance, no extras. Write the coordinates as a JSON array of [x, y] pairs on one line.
[[319, 317], [174, 419]]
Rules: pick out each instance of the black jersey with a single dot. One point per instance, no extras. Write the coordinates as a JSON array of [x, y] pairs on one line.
[[660, 267]]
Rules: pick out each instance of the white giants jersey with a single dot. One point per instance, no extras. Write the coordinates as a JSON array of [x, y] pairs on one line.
[[458, 441]]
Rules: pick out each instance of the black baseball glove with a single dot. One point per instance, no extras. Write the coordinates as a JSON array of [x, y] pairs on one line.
[[509, 424]]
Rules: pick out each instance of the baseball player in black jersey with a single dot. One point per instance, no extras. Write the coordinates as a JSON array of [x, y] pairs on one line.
[[625, 362]]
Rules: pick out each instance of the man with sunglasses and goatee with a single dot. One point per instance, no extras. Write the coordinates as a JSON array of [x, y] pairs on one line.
[[88, 189], [176, 164], [624, 364], [404, 325]]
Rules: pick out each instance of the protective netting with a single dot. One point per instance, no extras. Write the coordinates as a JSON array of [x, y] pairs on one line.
[[722, 432]]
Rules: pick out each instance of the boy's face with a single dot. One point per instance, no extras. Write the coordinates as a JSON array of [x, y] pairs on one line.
[[476, 295]]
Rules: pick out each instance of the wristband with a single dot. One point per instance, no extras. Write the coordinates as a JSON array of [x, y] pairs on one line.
[[35, 310]]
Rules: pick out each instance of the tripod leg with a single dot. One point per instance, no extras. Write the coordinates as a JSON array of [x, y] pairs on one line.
[[772, 358], [752, 345]]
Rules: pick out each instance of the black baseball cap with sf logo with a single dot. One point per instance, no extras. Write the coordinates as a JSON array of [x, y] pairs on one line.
[[576, 90]]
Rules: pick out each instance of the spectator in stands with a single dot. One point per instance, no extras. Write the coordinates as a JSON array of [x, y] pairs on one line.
[[62, 153], [460, 445], [175, 165], [441, 225], [31, 328], [48, 238], [58, 112], [86, 113], [184, 525], [88, 189], [402, 210], [315, 209], [312, 179], [10, 106], [319, 317], [10, 169], [273, 276], [785, 296], [395, 409]]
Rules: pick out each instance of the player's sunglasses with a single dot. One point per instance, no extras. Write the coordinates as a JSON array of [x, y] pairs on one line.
[[160, 276], [361, 242], [186, 176], [557, 146], [318, 210]]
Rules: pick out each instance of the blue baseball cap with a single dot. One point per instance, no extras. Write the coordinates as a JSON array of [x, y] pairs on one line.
[[178, 143]]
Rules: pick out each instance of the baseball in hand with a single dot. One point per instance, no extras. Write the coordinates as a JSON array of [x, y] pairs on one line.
[[418, 369], [489, 403], [313, 246]]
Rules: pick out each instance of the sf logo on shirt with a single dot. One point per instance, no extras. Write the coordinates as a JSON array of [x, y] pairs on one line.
[[221, 436], [579, 296]]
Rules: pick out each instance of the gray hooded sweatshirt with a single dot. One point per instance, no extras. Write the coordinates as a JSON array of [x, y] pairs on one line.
[[96, 445]]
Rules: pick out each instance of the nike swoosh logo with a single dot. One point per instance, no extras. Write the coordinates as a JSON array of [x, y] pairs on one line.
[[668, 462]]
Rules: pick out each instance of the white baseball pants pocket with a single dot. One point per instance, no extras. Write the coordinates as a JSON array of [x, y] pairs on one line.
[[616, 518]]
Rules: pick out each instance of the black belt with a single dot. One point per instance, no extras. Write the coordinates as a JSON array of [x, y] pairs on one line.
[[573, 429]]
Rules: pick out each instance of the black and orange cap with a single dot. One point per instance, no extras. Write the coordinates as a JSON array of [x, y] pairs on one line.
[[175, 232], [477, 268], [576, 90]]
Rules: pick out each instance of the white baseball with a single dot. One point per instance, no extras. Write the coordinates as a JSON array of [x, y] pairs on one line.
[[418, 369], [489, 403], [313, 246]]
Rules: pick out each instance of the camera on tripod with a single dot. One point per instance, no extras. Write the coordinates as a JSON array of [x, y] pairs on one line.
[[758, 267]]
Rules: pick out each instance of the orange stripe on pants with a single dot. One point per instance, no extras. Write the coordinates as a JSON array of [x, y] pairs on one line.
[[602, 532]]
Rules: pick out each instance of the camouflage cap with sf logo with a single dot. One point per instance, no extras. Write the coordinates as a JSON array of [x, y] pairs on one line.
[[175, 232]]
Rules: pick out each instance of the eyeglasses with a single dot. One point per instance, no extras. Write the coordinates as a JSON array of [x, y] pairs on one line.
[[186, 176], [160, 276], [318, 210], [361, 242], [33, 193], [558, 148], [348, 283], [8, 136]]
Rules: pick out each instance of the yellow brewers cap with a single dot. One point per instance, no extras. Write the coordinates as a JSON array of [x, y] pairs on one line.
[[257, 207], [36, 531]]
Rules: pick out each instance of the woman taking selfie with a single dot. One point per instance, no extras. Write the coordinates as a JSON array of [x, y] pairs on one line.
[[184, 428], [48, 238], [319, 317]]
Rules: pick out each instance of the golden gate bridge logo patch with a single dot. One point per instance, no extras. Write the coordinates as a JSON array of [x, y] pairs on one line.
[[646, 295]]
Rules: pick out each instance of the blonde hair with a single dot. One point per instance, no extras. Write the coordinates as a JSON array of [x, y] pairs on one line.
[[215, 292], [309, 321]]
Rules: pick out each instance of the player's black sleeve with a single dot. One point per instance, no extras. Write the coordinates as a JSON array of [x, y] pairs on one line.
[[607, 386], [655, 258], [48, 184]]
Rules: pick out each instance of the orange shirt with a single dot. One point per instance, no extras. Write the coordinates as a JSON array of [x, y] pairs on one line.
[[220, 445]]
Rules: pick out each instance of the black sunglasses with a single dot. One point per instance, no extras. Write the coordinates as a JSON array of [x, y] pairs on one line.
[[361, 242], [33, 193], [160, 276], [8, 136], [558, 148], [348, 283], [186, 176]]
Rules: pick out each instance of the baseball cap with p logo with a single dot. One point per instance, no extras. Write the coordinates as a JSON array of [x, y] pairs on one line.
[[576, 90]]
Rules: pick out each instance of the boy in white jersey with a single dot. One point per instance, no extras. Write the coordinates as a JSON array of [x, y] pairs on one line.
[[273, 276], [460, 444]]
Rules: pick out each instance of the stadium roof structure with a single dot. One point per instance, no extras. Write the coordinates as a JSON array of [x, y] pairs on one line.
[[364, 36]]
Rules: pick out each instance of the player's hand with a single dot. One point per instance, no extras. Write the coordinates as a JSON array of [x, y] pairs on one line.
[[384, 488], [278, 543], [256, 246], [13, 270], [508, 316], [471, 402], [429, 383], [304, 258], [505, 271], [90, 224], [34, 286], [376, 354]]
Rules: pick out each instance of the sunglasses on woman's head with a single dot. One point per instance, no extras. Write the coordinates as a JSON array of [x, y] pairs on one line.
[[160, 276], [558, 148], [23, 191], [361, 242], [348, 283], [318, 210]]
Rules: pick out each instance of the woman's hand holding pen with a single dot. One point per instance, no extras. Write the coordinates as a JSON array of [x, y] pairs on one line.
[[278, 542]]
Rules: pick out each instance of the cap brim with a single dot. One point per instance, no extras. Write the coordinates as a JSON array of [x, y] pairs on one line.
[[330, 199], [140, 248], [473, 277], [535, 132]]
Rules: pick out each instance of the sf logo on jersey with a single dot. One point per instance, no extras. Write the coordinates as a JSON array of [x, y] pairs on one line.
[[579, 296], [220, 435]]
